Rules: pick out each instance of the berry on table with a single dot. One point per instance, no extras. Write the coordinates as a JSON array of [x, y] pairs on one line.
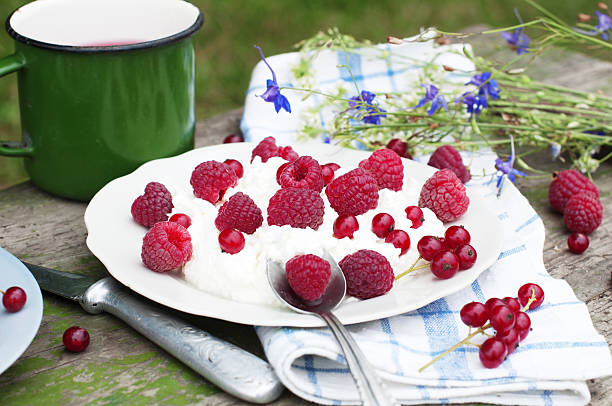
[[522, 324], [382, 224], [444, 264], [446, 156], [345, 226], [232, 138], [428, 246], [236, 166], [577, 243], [513, 303], [493, 302], [299, 208], [211, 179], [566, 184], [166, 246], [181, 219], [445, 195], [531, 294], [399, 239], [474, 314], [265, 150], [509, 337], [467, 256], [455, 236], [386, 167], [354, 193], [492, 352], [153, 206], [231, 241], [399, 147], [304, 173], [368, 274], [75, 339], [13, 299], [583, 213], [415, 214], [308, 276]]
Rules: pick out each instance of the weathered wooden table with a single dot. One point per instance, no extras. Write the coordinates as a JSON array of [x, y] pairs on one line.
[[122, 367]]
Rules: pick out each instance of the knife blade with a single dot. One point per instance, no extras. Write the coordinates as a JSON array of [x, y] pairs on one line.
[[231, 368]]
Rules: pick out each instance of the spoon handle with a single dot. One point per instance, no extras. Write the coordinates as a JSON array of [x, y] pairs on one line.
[[370, 387]]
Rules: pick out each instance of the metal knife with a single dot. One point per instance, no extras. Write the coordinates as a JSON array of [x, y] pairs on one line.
[[231, 368]]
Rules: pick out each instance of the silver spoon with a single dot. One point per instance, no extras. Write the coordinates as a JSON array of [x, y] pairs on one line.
[[368, 383]]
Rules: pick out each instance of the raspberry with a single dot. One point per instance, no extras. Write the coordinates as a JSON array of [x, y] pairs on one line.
[[239, 212], [299, 208], [153, 206], [166, 246], [353, 193], [445, 195], [211, 179], [308, 276], [266, 149], [583, 213], [386, 167], [448, 157], [305, 173], [566, 184], [368, 274], [287, 153]]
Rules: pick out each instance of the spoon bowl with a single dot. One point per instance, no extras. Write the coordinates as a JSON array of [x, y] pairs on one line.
[[368, 383]]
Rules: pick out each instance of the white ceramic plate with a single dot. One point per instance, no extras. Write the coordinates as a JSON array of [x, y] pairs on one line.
[[116, 240], [17, 330]]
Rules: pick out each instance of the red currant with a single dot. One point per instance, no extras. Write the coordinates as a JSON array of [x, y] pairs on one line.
[[577, 243], [233, 138], [444, 264], [513, 303], [502, 318], [467, 256], [14, 299], [474, 314], [399, 147], [231, 241], [492, 352], [333, 166], [526, 291], [522, 324], [181, 219], [328, 174], [382, 224], [236, 166], [510, 338], [428, 246], [345, 226], [456, 236], [493, 302], [399, 239], [75, 339], [280, 170], [415, 214]]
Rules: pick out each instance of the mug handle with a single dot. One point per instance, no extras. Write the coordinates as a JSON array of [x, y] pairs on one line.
[[10, 64]]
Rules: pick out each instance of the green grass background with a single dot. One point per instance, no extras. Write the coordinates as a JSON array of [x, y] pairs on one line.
[[224, 45]]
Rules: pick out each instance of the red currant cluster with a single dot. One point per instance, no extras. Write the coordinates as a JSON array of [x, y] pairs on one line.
[[445, 255], [506, 316], [13, 299]]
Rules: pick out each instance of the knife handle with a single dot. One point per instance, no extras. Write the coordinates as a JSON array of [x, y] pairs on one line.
[[231, 368]]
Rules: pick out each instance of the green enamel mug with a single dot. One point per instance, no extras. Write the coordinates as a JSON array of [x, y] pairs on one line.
[[104, 86]]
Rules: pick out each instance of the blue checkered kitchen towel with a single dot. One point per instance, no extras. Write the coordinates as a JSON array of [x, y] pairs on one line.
[[550, 366]]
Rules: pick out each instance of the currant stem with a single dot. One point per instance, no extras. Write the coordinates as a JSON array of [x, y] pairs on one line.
[[530, 301], [459, 344], [3, 292], [412, 268]]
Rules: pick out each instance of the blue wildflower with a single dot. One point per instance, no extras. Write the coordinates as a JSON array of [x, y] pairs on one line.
[[431, 95], [517, 40], [473, 103], [272, 93], [373, 113], [507, 169], [487, 87], [604, 25]]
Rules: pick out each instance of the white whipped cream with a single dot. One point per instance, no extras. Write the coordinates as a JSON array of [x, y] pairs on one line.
[[242, 276]]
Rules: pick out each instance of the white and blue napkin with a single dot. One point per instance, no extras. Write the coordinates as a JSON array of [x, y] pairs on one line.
[[550, 366]]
